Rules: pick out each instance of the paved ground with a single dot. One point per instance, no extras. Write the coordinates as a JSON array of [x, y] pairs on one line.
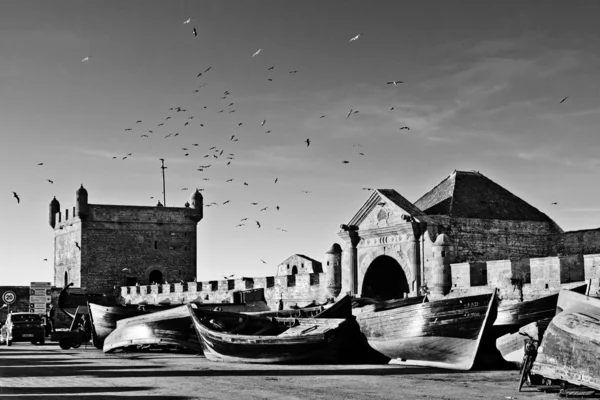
[[47, 372]]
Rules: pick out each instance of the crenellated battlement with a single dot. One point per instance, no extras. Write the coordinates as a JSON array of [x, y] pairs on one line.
[[293, 290], [526, 278]]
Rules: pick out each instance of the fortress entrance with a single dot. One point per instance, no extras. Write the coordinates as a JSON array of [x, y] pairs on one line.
[[156, 276], [385, 280]]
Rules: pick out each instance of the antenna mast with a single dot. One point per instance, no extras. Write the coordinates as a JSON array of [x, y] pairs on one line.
[[163, 176]]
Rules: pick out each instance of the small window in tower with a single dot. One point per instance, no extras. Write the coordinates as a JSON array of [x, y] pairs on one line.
[[443, 253], [155, 244], [302, 265], [327, 262]]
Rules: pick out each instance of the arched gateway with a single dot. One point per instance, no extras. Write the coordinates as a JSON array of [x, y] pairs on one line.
[[385, 280], [156, 276]]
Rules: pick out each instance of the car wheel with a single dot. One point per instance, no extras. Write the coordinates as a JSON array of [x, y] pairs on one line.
[[76, 344], [65, 343]]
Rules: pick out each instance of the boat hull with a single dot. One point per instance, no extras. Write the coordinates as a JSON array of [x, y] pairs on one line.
[[444, 333], [312, 340], [570, 350], [526, 312], [164, 328]]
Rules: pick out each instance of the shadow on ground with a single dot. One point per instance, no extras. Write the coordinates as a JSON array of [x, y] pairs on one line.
[[70, 389]]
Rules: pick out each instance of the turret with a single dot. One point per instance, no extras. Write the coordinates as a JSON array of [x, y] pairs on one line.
[[197, 204], [81, 202], [333, 270], [440, 269], [54, 208]]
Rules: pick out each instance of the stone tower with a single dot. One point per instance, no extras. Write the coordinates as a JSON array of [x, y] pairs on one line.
[[442, 250], [99, 246], [333, 270]]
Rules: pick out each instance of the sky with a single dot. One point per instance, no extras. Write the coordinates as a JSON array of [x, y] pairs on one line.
[[482, 88]]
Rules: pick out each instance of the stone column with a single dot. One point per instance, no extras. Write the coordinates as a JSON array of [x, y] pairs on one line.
[[350, 260]]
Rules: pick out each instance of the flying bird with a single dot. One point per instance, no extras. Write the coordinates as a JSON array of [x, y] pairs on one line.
[[85, 59], [554, 203], [306, 191], [254, 204], [138, 121], [293, 71], [245, 184], [195, 32], [229, 180], [405, 127], [307, 141], [77, 245], [563, 100], [263, 261], [225, 202], [369, 189], [232, 136], [350, 113], [184, 189], [244, 219], [362, 154], [228, 277], [41, 163], [268, 132], [270, 79], [355, 37], [205, 71], [187, 21], [282, 230], [255, 54], [277, 208], [395, 83], [49, 180], [345, 162], [45, 259], [239, 225], [263, 209], [270, 68], [263, 123], [144, 136], [16, 196], [127, 129], [258, 223], [276, 179]]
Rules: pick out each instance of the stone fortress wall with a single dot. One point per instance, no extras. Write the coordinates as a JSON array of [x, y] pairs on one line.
[[519, 280]]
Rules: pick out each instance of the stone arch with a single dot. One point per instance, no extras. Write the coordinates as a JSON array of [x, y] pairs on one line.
[[159, 268], [156, 275], [385, 279]]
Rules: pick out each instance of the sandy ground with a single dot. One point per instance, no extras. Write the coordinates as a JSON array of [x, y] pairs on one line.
[[46, 372]]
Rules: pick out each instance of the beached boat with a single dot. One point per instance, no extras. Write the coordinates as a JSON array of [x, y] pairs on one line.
[[236, 337], [171, 327], [444, 333], [104, 318], [570, 349], [526, 312], [340, 309]]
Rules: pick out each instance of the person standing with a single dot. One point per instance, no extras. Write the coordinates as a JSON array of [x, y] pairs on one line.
[[51, 314]]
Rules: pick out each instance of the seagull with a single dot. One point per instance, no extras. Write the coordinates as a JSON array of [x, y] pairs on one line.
[[350, 113], [85, 59], [144, 136], [126, 269], [306, 191], [395, 83], [270, 79], [258, 223], [16, 196], [263, 261], [277, 208], [45, 259], [263, 123], [225, 202], [229, 277], [345, 162], [138, 121], [268, 132], [161, 124], [405, 127], [244, 219], [254, 204], [355, 37], [184, 189], [307, 141], [554, 203], [293, 71], [270, 68], [563, 100], [124, 157], [362, 154], [77, 245], [205, 71], [232, 136], [127, 129], [369, 189], [255, 54], [187, 21], [263, 209], [240, 124], [229, 180], [276, 179], [51, 181], [41, 163], [282, 230], [195, 32], [239, 225], [245, 184]]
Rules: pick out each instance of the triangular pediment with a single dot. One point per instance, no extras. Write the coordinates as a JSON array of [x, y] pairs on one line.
[[385, 207]]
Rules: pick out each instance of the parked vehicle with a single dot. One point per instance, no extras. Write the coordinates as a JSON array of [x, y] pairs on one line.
[[23, 327]]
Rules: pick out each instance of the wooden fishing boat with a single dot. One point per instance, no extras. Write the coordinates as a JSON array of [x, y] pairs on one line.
[[104, 318], [526, 312], [171, 327], [236, 337], [570, 349], [340, 309], [444, 333]]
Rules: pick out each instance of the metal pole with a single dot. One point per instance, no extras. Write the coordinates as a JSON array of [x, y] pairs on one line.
[[163, 176]]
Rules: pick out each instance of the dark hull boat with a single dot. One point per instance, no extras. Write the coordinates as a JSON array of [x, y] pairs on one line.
[[570, 350], [340, 309], [104, 318], [444, 333], [526, 312], [234, 337], [172, 327]]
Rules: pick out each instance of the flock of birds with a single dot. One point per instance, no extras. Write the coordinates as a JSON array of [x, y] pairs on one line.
[[219, 154]]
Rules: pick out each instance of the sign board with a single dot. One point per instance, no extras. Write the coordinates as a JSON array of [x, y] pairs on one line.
[[39, 292], [40, 299], [9, 297], [37, 308], [41, 285]]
